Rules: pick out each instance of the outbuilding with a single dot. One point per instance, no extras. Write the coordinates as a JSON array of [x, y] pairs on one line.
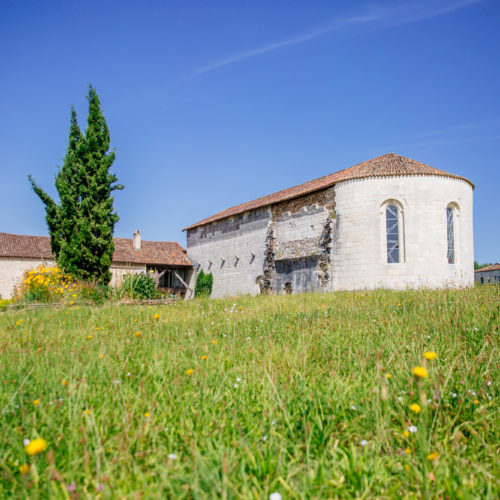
[[167, 259], [488, 274]]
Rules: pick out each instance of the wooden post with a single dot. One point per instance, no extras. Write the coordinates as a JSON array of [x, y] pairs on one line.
[[181, 280]]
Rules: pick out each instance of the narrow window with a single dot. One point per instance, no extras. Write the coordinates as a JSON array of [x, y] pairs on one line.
[[451, 237], [392, 230]]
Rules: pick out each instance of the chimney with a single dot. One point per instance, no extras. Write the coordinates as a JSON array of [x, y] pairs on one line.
[[137, 240]]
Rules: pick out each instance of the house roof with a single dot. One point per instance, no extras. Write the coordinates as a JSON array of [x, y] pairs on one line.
[[493, 267], [382, 166], [151, 252]]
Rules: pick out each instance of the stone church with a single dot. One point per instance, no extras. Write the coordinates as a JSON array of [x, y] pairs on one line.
[[389, 222]]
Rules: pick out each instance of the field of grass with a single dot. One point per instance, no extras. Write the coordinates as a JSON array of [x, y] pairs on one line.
[[308, 396]]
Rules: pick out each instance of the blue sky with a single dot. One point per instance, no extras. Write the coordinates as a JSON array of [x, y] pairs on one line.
[[211, 104]]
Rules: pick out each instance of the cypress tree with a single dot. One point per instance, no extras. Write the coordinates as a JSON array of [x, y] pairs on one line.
[[81, 226]]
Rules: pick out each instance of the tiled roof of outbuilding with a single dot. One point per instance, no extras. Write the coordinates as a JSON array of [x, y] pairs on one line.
[[386, 165], [151, 252], [493, 267]]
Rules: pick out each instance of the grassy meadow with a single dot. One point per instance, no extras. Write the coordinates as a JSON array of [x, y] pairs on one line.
[[309, 396]]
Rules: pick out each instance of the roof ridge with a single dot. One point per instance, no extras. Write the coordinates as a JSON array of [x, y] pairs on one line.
[[386, 165]]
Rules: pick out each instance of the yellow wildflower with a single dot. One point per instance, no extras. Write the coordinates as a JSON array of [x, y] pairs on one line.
[[24, 469], [101, 356], [137, 334], [407, 451], [146, 414], [204, 357], [89, 337], [415, 408], [87, 411], [388, 375], [190, 371], [36, 446], [135, 320], [214, 341], [433, 456], [476, 402], [36, 402], [64, 383], [430, 355], [420, 372], [406, 434], [156, 316]]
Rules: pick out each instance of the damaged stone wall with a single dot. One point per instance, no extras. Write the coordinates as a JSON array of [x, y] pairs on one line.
[[324, 261], [302, 242], [323, 198], [267, 250], [269, 267]]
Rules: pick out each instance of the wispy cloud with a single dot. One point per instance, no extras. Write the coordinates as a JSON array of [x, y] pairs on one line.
[[373, 18], [486, 131]]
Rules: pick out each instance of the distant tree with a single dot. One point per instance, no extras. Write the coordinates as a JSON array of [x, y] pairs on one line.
[[479, 266], [81, 226]]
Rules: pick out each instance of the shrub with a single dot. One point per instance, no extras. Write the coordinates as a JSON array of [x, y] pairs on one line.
[[138, 286], [4, 303], [98, 294], [46, 284], [49, 284], [204, 284]]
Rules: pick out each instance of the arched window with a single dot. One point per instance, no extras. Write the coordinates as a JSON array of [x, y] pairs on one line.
[[392, 233], [451, 235]]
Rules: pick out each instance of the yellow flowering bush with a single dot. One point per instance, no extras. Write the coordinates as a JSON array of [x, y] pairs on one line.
[[50, 284], [46, 284]]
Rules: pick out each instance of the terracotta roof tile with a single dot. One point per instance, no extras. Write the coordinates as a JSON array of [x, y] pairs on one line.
[[386, 165], [493, 267], [151, 252]]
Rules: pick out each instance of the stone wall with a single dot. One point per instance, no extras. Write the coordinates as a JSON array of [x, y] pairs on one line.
[[12, 270], [298, 248], [120, 269], [485, 277], [268, 247], [359, 258], [233, 250]]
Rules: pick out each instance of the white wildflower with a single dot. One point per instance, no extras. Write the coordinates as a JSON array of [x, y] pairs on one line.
[[172, 456], [275, 496], [412, 429], [364, 442]]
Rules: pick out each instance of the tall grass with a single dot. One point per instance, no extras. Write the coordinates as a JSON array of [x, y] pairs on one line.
[[306, 395]]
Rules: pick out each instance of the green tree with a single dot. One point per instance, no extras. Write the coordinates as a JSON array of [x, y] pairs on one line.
[[81, 226], [204, 284]]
